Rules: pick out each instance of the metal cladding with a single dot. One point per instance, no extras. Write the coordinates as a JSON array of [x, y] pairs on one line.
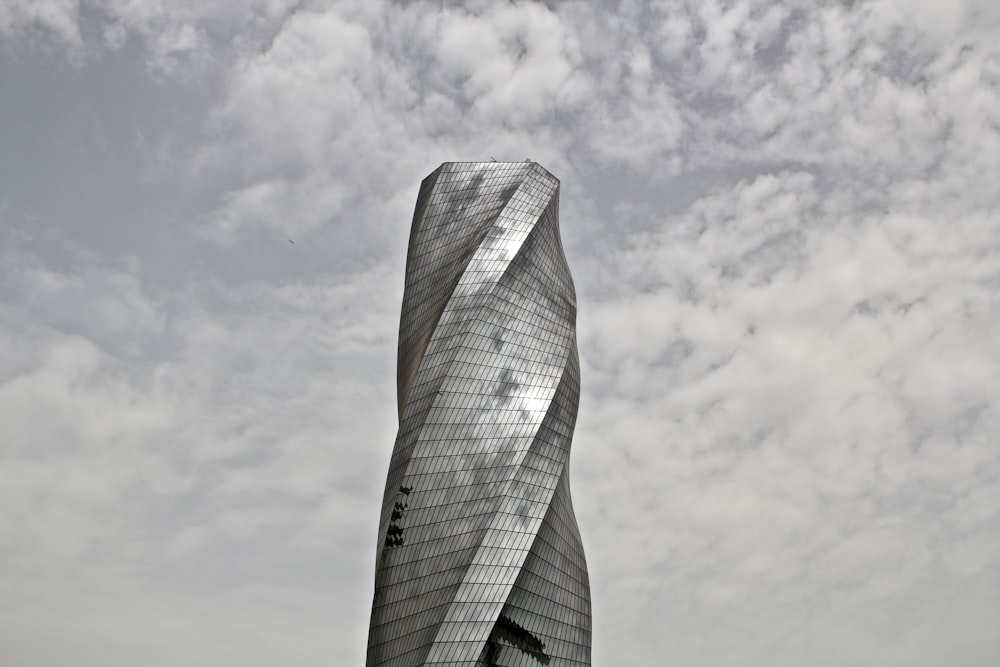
[[479, 559]]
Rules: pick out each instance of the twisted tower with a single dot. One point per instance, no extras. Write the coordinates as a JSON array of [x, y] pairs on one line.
[[479, 559]]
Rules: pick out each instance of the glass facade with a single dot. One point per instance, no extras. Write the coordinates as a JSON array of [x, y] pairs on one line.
[[479, 559]]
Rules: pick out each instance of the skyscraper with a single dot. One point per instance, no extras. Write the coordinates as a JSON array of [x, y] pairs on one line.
[[479, 559]]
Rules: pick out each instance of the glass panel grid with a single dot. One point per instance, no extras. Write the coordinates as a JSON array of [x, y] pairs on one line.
[[479, 559]]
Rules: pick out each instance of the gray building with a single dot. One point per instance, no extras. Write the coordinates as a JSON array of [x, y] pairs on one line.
[[479, 559]]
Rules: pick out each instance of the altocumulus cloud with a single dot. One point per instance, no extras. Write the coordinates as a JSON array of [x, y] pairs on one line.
[[783, 223]]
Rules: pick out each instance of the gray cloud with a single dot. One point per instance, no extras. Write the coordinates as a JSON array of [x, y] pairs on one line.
[[782, 221]]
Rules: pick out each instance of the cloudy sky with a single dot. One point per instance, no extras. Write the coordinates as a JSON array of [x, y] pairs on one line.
[[784, 223]]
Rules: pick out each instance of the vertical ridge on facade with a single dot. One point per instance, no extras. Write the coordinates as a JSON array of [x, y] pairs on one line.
[[479, 559]]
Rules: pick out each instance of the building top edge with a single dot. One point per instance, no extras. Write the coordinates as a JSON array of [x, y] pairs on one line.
[[497, 163]]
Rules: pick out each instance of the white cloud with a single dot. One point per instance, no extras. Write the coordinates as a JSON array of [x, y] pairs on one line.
[[55, 20], [227, 435], [781, 411], [512, 63], [782, 222]]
